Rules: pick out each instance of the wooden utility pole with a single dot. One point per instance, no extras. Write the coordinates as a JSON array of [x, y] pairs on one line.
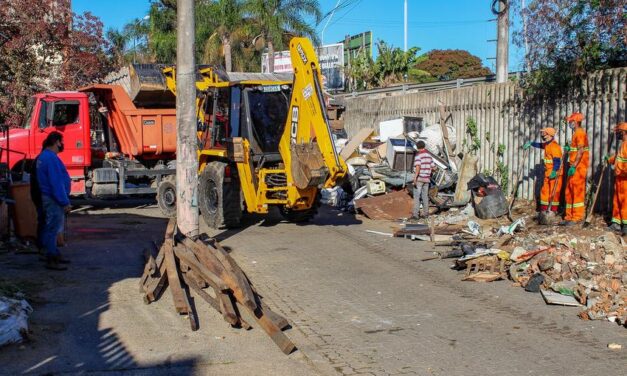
[[502, 42], [186, 146]]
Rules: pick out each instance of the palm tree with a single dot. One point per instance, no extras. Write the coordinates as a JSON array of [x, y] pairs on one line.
[[226, 18], [277, 19], [117, 46]]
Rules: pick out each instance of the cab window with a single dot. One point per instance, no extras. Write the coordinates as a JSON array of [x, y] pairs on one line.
[[65, 113]]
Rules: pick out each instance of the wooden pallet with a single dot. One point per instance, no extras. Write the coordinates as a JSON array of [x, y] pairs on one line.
[[207, 269], [484, 269]]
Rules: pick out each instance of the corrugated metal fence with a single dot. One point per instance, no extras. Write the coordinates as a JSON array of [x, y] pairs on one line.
[[511, 119]]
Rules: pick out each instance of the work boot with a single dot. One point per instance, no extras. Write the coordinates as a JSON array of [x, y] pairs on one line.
[[624, 230], [567, 223], [52, 263], [62, 260], [614, 227]]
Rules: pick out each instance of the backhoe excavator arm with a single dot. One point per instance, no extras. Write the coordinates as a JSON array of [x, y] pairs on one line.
[[307, 137]]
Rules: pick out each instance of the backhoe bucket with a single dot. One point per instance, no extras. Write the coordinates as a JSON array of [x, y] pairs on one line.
[[308, 169]]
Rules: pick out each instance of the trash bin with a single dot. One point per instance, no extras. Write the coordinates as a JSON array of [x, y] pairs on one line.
[[24, 213]]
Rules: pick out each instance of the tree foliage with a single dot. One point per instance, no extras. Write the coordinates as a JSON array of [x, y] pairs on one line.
[[279, 20], [39, 51], [229, 33], [452, 64], [392, 65], [567, 39]]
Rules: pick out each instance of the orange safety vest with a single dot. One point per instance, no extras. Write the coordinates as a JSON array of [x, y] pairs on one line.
[[580, 140]]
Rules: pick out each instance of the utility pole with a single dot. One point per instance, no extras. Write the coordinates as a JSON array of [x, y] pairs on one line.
[[186, 147], [405, 24], [502, 42]]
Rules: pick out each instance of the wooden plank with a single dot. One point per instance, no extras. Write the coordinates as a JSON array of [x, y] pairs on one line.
[[191, 282], [354, 142], [228, 310], [278, 320], [154, 283], [181, 303], [233, 266], [208, 256], [277, 336], [201, 270]]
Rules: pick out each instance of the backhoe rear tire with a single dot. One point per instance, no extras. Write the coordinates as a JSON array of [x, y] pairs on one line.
[[219, 200], [166, 196]]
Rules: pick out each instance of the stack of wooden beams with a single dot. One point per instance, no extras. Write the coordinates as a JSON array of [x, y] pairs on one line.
[[207, 269]]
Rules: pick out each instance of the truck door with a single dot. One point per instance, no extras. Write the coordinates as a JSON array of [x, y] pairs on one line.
[[70, 117], [67, 117]]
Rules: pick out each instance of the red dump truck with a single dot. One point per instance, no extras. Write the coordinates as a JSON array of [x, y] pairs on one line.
[[112, 148]]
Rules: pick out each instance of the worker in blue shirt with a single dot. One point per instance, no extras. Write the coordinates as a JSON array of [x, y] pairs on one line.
[[54, 184]]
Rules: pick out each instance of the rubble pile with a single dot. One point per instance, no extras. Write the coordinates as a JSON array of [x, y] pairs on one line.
[[569, 266], [591, 269]]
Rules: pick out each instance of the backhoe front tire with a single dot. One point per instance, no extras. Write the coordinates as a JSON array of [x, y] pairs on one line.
[[219, 200], [301, 216]]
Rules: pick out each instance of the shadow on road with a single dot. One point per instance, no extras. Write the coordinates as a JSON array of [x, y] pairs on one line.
[[73, 329]]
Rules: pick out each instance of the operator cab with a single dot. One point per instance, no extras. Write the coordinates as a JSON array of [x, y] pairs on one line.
[[254, 112]]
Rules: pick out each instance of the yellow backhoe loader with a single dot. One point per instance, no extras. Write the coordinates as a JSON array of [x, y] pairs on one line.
[[264, 140]]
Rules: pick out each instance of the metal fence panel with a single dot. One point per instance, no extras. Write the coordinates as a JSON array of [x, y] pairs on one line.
[[511, 119]]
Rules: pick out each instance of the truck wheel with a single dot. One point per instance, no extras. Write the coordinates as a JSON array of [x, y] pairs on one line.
[[166, 196], [219, 201]]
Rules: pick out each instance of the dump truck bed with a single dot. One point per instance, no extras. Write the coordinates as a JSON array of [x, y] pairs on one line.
[[140, 133]]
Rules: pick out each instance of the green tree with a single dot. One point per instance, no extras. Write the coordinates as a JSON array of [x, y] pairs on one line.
[[452, 64], [393, 64], [360, 72], [117, 47], [136, 32], [227, 21], [567, 39], [278, 20]]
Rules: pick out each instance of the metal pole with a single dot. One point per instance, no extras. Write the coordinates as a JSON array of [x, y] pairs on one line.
[[186, 146], [502, 42], [405, 26]]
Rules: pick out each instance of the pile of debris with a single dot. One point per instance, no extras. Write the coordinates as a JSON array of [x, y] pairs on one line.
[[381, 168], [208, 270], [569, 266]]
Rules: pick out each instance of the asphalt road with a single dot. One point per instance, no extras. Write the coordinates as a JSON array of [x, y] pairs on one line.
[[359, 303]]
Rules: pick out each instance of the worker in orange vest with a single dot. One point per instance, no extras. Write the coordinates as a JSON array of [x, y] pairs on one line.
[[618, 163], [552, 166], [578, 158]]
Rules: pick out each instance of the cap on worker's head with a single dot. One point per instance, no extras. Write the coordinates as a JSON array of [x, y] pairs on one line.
[[577, 117], [550, 131], [621, 127]]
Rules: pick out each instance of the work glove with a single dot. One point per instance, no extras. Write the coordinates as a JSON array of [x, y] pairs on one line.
[[571, 171], [553, 175], [606, 158], [566, 148], [527, 145]]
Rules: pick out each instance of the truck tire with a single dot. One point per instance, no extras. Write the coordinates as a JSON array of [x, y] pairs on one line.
[[219, 200], [166, 196]]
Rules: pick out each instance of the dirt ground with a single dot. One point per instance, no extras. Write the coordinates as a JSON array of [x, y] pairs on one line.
[[359, 303]]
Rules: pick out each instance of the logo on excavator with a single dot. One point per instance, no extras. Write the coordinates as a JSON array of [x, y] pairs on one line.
[[294, 129], [301, 52]]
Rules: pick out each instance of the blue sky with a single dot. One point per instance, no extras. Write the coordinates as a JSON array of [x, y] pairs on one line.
[[452, 24]]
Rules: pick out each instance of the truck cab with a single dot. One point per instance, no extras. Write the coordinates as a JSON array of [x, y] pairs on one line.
[[63, 112]]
